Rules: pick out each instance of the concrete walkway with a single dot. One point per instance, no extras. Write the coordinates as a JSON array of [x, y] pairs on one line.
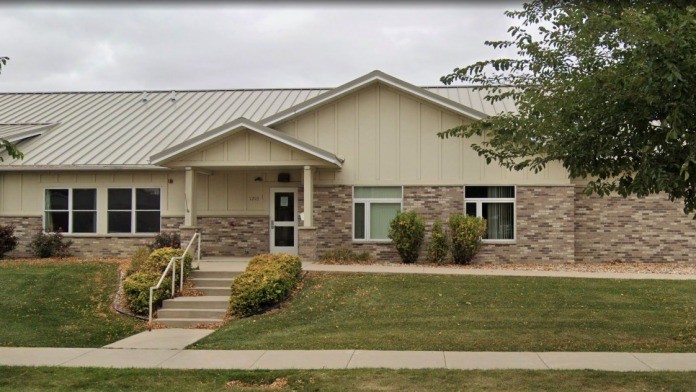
[[341, 359], [224, 264], [170, 338]]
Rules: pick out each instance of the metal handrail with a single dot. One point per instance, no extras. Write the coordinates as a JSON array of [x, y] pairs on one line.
[[172, 265]]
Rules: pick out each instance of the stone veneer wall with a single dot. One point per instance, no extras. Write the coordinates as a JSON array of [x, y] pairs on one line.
[[248, 236], [651, 229]]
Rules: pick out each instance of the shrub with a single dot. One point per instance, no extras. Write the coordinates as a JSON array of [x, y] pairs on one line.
[[49, 244], [157, 261], [407, 230], [136, 287], [138, 260], [466, 232], [166, 240], [344, 256], [8, 241], [439, 244], [267, 280]]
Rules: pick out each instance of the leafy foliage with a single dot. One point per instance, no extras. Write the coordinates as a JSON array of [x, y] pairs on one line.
[[606, 88], [407, 231], [267, 280], [138, 260], [344, 255], [137, 290], [166, 240], [45, 245], [466, 232], [439, 243], [8, 241]]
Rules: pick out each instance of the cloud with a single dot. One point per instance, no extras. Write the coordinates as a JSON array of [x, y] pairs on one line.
[[78, 47]]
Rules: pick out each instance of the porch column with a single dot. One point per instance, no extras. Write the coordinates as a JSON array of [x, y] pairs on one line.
[[190, 198], [308, 197]]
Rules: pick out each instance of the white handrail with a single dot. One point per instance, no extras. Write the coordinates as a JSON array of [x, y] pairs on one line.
[[172, 265]]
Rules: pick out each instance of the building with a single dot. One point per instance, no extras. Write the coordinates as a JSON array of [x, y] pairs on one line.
[[300, 171]]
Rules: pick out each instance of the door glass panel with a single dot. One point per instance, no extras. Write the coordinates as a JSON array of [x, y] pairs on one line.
[[284, 207], [284, 236]]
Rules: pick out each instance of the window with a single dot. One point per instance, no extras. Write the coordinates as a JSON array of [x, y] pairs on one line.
[[495, 204], [122, 217], [373, 209], [70, 210]]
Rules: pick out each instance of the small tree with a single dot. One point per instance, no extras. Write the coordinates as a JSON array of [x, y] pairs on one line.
[[439, 243], [466, 232], [8, 241], [407, 230]]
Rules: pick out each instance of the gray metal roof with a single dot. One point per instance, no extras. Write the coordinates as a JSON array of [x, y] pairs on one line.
[[106, 129]]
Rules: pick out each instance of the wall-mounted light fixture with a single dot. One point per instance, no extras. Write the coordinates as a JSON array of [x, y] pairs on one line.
[[258, 179]]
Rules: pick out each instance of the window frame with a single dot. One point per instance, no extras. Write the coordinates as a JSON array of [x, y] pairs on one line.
[[70, 210], [367, 201], [133, 211], [479, 210]]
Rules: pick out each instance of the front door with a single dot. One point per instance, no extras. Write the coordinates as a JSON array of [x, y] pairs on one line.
[[284, 220]]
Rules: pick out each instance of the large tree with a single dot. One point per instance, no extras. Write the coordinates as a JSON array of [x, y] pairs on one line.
[[11, 149], [606, 88]]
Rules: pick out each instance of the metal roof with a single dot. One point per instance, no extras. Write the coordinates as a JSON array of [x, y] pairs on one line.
[[108, 129], [17, 132]]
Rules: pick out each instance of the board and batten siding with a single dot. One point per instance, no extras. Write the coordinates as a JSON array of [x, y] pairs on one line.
[[388, 137]]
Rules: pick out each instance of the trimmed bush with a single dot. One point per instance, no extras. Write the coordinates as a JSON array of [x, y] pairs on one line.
[[407, 231], [138, 260], [345, 256], [45, 245], [157, 261], [8, 241], [136, 287], [267, 281], [166, 240], [466, 232], [439, 244]]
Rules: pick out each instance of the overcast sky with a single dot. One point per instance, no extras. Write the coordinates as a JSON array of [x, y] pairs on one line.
[[82, 47]]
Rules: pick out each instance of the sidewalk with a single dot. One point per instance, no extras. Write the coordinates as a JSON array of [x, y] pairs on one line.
[[342, 359]]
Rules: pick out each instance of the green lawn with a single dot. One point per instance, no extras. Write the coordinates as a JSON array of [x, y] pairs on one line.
[[60, 304], [90, 379], [473, 313]]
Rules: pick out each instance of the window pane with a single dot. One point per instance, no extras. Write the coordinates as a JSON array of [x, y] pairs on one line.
[[382, 192], [84, 199], [471, 209], [147, 199], [380, 216], [359, 221], [120, 199], [57, 199], [57, 221], [474, 192], [119, 222], [500, 217], [84, 222], [147, 221]]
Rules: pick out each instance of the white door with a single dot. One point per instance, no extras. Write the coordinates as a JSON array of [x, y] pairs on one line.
[[283, 220]]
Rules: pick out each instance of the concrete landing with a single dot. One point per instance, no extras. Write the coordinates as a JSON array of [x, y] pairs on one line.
[[164, 339]]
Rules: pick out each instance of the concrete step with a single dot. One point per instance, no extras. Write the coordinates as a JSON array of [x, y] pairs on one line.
[[203, 302], [217, 291], [213, 274], [192, 313], [185, 322], [211, 282]]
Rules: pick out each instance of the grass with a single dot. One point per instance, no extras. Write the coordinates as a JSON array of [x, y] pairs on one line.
[[51, 303], [91, 379], [473, 313]]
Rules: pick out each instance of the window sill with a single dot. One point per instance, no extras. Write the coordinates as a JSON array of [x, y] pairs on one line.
[[109, 235], [499, 242], [372, 241]]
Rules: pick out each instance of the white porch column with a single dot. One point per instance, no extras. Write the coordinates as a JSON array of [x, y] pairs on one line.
[[190, 194], [308, 196]]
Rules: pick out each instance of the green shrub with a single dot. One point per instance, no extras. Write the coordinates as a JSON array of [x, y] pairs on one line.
[[8, 241], [136, 287], [407, 231], [166, 240], [466, 232], [267, 280], [157, 261], [138, 260], [439, 244], [344, 256], [45, 245]]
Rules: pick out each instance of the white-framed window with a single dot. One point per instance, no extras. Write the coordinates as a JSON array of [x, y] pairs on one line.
[[70, 210], [495, 204], [373, 209], [133, 210]]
